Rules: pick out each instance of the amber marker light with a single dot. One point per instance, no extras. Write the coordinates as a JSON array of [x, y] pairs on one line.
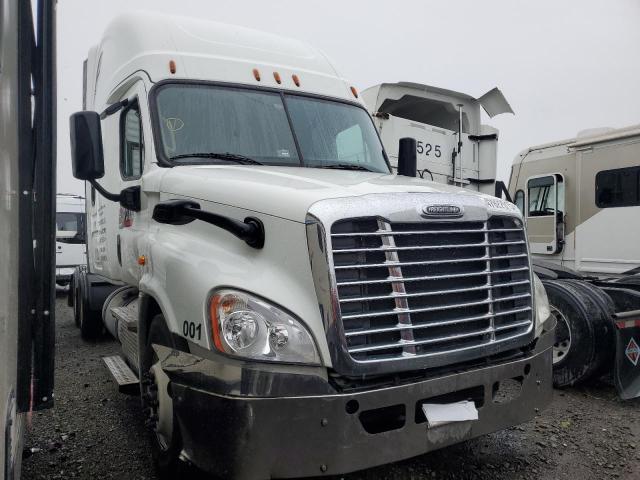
[[172, 66], [142, 260], [224, 303], [256, 74], [354, 91], [296, 80], [276, 75]]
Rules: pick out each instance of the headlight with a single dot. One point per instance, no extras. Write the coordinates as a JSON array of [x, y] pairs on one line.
[[543, 312], [246, 326]]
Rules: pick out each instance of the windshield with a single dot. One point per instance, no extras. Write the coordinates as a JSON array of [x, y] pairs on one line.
[[217, 124], [70, 227]]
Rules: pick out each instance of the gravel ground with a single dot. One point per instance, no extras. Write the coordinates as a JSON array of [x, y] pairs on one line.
[[96, 432]]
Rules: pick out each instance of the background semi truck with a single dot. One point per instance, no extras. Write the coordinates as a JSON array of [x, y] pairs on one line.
[[71, 248], [581, 201], [27, 228], [277, 291]]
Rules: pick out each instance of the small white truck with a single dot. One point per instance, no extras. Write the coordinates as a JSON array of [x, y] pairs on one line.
[[71, 246], [288, 304]]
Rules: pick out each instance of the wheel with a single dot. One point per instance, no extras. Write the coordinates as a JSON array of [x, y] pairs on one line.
[[157, 404], [89, 321], [603, 325], [577, 353], [70, 293]]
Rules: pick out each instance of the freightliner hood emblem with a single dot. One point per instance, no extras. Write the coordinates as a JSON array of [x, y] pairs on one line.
[[442, 211]]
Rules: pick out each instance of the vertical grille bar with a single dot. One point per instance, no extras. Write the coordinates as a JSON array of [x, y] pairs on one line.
[[489, 283], [398, 288]]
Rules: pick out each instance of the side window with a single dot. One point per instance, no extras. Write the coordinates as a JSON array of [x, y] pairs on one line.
[[519, 200], [542, 196], [131, 143], [618, 188]]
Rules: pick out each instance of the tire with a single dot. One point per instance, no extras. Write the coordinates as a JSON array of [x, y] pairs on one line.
[[576, 307], [165, 452], [70, 293], [89, 321], [602, 325]]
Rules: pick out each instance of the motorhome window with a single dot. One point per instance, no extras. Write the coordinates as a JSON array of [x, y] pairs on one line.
[[332, 133], [70, 227], [618, 188], [269, 127], [131, 144], [542, 196], [211, 119], [519, 200]]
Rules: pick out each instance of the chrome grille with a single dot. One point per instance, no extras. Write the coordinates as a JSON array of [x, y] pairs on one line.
[[427, 289]]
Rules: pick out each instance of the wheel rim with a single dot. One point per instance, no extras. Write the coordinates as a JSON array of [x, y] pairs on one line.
[[160, 405], [562, 344]]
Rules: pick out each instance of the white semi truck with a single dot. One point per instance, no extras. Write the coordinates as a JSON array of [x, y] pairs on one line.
[[577, 196], [285, 303], [71, 248]]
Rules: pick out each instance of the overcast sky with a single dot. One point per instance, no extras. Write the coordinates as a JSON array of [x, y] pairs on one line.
[[564, 66]]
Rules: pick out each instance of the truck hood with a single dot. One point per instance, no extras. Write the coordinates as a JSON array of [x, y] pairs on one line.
[[286, 192]]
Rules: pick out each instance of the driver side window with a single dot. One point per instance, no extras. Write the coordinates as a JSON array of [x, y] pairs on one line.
[[131, 143], [542, 196]]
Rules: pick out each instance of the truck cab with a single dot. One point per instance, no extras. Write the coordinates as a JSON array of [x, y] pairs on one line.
[[70, 236], [278, 292]]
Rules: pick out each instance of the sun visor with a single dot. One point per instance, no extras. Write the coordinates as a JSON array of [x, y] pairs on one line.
[[494, 103]]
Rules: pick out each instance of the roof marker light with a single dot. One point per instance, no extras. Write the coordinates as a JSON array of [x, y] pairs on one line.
[[172, 66], [276, 75], [296, 80], [256, 74], [354, 91]]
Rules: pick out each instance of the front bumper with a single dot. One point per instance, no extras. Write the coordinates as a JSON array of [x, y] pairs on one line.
[[63, 275], [284, 437]]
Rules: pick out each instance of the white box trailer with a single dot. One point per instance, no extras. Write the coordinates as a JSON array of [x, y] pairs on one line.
[[279, 293], [453, 146]]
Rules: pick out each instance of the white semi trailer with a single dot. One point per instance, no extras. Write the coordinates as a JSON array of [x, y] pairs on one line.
[[287, 303], [27, 228]]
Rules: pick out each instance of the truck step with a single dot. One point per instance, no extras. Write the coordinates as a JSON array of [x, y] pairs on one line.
[[128, 315], [125, 378]]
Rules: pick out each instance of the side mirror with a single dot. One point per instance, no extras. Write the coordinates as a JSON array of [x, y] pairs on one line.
[[407, 157], [87, 158]]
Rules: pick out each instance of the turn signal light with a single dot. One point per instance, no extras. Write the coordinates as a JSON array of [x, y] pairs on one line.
[[142, 260], [354, 91], [296, 80], [276, 75], [172, 66], [256, 74]]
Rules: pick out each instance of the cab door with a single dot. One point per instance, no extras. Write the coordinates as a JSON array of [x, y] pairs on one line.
[[545, 213], [132, 164]]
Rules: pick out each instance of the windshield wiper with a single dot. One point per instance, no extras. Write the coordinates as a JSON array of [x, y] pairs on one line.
[[232, 157], [345, 166]]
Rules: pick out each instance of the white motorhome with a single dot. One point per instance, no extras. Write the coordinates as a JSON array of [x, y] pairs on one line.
[[580, 198], [70, 236], [288, 304]]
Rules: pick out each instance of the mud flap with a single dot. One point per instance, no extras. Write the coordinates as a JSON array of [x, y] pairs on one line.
[[627, 361]]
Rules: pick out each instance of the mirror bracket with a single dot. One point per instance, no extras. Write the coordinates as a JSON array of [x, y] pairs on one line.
[[129, 197]]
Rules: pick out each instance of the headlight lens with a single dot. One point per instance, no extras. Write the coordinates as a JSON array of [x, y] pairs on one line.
[[543, 312], [246, 326]]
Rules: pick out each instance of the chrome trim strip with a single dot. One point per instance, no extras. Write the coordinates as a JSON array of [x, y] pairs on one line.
[[423, 232], [435, 292], [429, 262], [444, 323], [428, 247]]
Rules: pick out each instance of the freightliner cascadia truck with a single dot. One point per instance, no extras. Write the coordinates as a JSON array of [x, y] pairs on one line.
[[286, 304]]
